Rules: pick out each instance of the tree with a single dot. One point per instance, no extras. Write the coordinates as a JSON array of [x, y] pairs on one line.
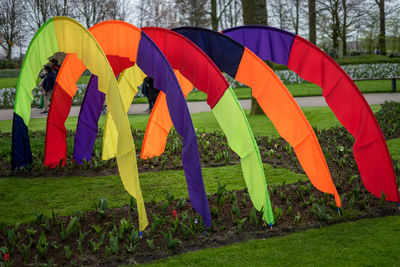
[[382, 29], [296, 16], [255, 12], [38, 13], [11, 26], [223, 6], [193, 12], [90, 11], [157, 13], [312, 22]]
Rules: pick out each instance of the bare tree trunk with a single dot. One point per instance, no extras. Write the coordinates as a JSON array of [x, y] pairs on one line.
[[312, 25], [297, 17], [382, 29], [344, 29], [255, 12], [9, 50], [214, 20]]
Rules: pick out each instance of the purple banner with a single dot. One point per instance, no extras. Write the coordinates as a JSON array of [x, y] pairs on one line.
[[268, 44], [87, 127], [152, 62]]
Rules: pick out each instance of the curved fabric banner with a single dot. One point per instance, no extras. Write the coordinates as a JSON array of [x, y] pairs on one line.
[[342, 95], [66, 35], [149, 59], [198, 69], [274, 98]]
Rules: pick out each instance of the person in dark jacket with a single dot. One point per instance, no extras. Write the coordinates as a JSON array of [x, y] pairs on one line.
[[49, 81], [150, 92], [55, 65]]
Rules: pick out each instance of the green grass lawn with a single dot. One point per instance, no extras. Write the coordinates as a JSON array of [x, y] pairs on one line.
[[321, 117], [12, 82], [394, 148], [368, 242], [68, 195]]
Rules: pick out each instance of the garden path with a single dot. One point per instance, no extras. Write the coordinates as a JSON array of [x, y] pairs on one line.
[[201, 106]]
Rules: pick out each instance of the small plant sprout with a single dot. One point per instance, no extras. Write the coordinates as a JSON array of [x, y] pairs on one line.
[[174, 214], [169, 197], [150, 242], [297, 218], [95, 246], [181, 203], [320, 212], [97, 228], [253, 217], [233, 197], [157, 222], [382, 200], [132, 205], [221, 195], [101, 207], [134, 236], [39, 216], [239, 223], [277, 214], [171, 242], [124, 226], [67, 252], [42, 246]]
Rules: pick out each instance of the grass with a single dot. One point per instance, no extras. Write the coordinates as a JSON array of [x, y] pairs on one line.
[[8, 82], [297, 90], [68, 195], [321, 117], [368, 242], [12, 82], [366, 59], [394, 148]]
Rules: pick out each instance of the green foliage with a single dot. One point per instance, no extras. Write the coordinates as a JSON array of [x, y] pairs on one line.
[[171, 242], [95, 246], [239, 223], [38, 216], [253, 217], [132, 205], [124, 226], [97, 228], [101, 207], [67, 252], [157, 222], [297, 218], [150, 242], [277, 211], [221, 195], [168, 196], [235, 212], [133, 236], [113, 246], [73, 227], [42, 246], [320, 212], [382, 200], [25, 251], [181, 202]]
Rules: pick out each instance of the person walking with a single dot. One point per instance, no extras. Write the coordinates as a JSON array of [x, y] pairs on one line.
[[150, 92], [49, 81]]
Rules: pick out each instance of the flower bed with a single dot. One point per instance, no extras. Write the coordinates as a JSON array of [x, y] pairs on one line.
[[110, 237]]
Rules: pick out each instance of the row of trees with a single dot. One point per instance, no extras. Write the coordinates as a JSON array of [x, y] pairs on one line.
[[339, 24], [20, 19], [335, 24]]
